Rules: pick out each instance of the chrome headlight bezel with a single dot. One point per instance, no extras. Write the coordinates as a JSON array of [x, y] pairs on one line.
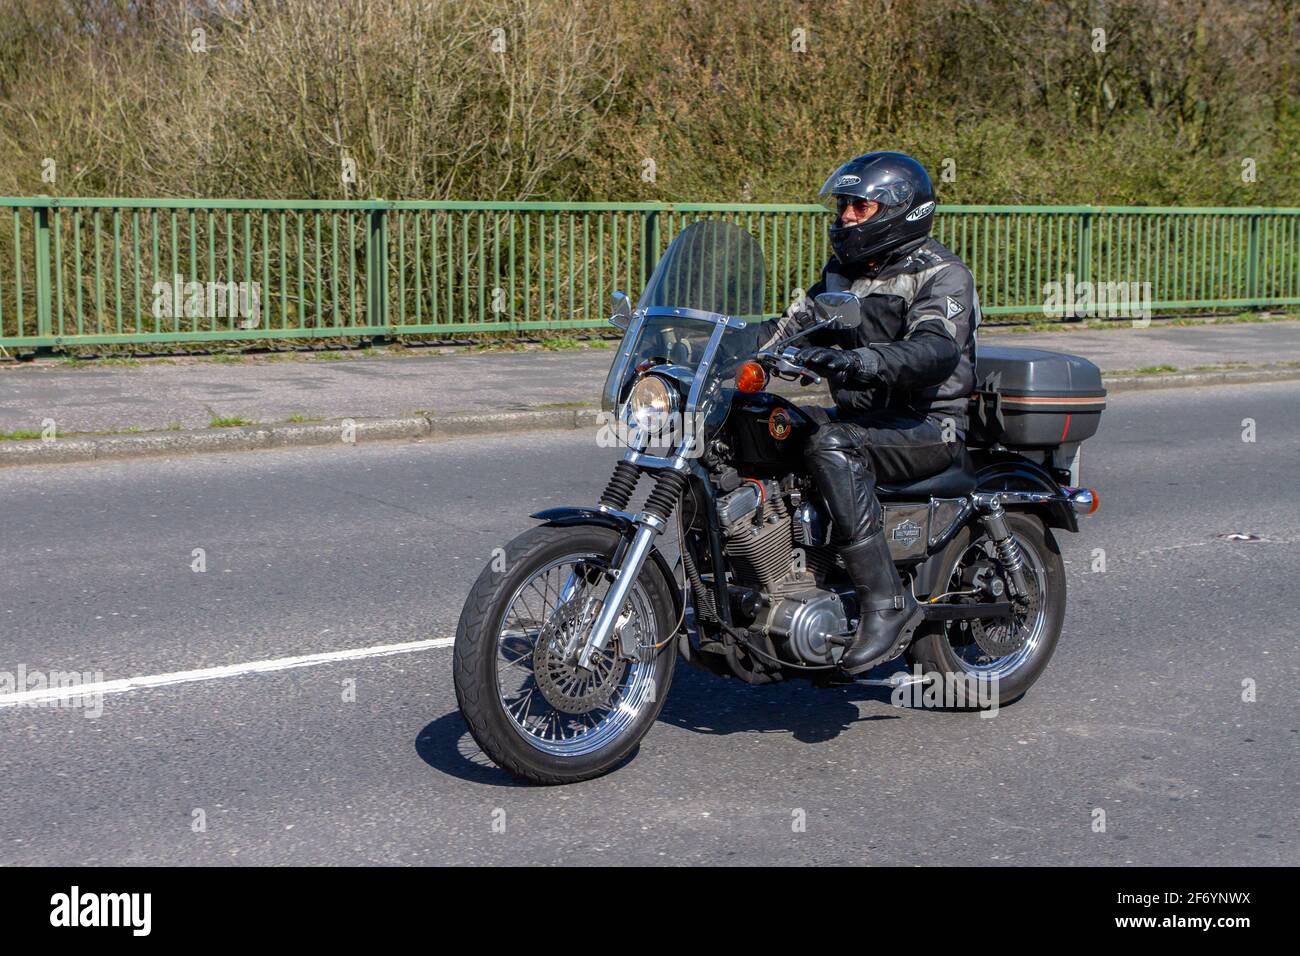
[[651, 404]]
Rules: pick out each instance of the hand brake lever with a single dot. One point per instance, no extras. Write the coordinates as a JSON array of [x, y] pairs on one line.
[[784, 368]]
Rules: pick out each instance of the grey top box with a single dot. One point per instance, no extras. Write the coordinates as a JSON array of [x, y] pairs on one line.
[[1043, 399], [1037, 372]]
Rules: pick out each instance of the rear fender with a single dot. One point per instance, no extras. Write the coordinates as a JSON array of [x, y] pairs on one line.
[[1004, 472], [1010, 472]]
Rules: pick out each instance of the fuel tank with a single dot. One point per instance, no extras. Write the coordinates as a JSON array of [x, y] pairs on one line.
[[766, 433]]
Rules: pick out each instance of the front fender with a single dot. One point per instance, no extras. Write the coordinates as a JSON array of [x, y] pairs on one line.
[[563, 517], [567, 516]]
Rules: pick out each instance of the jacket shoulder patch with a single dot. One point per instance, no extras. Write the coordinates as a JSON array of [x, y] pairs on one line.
[[954, 308]]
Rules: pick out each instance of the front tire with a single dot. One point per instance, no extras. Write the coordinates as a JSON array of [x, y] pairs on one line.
[[530, 712], [951, 651]]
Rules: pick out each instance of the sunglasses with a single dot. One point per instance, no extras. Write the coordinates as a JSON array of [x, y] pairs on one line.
[[860, 206]]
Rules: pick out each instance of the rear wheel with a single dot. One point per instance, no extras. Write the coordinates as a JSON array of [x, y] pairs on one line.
[[995, 660], [530, 710]]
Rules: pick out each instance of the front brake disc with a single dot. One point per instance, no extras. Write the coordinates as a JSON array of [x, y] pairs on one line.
[[566, 687]]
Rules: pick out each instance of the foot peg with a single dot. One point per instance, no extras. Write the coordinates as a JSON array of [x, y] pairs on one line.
[[894, 680]]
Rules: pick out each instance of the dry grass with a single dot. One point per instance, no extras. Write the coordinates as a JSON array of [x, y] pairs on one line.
[[587, 91]]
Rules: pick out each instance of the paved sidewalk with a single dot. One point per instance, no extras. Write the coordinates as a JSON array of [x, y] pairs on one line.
[[185, 394]]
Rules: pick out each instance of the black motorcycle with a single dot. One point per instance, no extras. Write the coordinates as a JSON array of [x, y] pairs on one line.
[[566, 646]]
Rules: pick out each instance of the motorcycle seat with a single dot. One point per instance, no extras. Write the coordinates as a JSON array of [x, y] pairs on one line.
[[956, 480]]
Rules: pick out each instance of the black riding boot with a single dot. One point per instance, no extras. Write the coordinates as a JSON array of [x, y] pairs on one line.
[[888, 614]]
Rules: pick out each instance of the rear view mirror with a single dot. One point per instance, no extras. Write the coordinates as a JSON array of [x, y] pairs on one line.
[[841, 310], [621, 311]]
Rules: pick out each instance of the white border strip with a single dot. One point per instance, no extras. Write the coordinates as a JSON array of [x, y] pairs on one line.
[[82, 691]]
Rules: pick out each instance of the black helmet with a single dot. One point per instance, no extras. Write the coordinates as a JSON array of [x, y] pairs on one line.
[[906, 196]]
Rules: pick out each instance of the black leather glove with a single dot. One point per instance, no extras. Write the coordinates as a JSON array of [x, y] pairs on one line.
[[842, 366], [824, 361]]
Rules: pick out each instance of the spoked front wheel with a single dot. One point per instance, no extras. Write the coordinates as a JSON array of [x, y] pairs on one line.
[[531, 710]]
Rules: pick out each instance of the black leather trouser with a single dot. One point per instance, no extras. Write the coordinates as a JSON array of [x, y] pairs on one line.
[[847, 456]]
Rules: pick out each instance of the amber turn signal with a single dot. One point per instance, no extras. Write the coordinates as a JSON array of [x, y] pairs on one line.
[[1085, 500], [751, 377]]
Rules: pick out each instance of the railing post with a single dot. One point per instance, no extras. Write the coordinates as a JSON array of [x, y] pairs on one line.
[[649, 247], [1252, 260], [1083, 254], [44, 292], [377, 266]]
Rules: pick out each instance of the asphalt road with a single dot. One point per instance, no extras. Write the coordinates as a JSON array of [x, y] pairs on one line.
[[1140, 713]]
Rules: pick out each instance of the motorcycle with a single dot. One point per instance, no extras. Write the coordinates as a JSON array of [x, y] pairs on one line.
[[566, 647]]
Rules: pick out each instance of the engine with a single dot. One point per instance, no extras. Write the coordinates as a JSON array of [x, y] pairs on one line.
[[776, 546]]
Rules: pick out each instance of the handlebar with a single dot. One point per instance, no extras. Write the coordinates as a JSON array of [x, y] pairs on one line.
[[782, 365]]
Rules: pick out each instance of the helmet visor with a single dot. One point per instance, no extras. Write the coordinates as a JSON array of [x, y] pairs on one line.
[[842, 190], [853, 210]]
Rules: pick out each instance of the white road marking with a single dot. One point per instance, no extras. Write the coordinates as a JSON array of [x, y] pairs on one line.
[[124, 685]]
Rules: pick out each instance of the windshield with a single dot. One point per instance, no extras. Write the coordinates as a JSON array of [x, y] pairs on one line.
[[711, 266], [710, 270]]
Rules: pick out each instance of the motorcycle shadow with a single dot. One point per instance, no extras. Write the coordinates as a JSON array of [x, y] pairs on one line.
[[446, 745], [704, 704], [698, 702]]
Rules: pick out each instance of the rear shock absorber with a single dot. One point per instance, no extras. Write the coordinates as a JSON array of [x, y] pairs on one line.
[[1009, 555], [621, 485]]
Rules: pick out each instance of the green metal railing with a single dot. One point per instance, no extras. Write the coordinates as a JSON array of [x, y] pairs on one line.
[[139, 271]]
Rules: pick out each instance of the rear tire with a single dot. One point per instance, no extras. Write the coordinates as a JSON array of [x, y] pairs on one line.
[[935, 651], [481, 633]]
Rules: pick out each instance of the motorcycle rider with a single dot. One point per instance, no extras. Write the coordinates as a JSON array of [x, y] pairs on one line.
[[900, 381]]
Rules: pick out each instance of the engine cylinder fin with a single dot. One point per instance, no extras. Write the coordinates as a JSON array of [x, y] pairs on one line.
[[763, 554]]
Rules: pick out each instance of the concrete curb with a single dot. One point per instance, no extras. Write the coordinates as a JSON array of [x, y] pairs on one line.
[[1227, 376], [444, 427]]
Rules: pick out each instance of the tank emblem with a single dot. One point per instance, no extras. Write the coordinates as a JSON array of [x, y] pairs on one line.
[[779, 424]]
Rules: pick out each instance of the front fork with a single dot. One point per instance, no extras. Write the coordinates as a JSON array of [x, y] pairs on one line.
[[648, 525], [622, 577]]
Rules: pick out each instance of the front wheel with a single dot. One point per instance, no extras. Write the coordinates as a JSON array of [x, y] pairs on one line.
[[995, 660], [531, 712]]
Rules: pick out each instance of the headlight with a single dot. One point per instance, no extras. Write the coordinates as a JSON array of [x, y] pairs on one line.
[[651, 403]]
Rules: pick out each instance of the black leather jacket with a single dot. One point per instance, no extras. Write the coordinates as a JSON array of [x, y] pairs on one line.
[[919, 315]]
